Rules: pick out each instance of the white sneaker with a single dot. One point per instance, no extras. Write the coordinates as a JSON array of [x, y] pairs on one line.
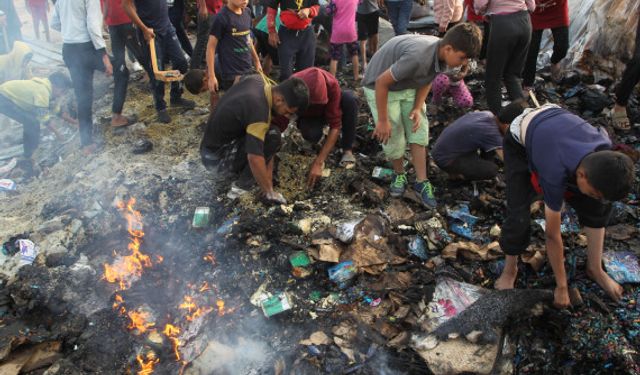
[[236, 192], [136, 67]]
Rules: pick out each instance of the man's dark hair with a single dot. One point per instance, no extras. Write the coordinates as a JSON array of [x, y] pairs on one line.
[[193, 80], [295, 92], [511, 111], [60, 80], [465, 37], [610, 172]]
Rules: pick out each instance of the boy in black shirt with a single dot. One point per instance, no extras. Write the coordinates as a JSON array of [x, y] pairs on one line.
[[239, 135], [152, 20]]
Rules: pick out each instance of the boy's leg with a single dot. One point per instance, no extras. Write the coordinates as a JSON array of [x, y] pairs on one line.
[[439, 88], [521, 29], [30, 126], [393, 11], [175, 54], [406, 6], [461, 95], [157, 87], [286, 51], [306, 49], [79, 58], [417, 140], [335, 51], [361, 21], [594, 216], [311, 128], [516, 230], [560, 43], [352, 48], [204, 27], [120, 71], [472, 168], [529, 72], [374, 25], [349, 106]]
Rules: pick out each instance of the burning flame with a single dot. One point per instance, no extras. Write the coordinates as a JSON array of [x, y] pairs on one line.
[[204, 287], [192, 308], [220, 304], [209, 257], [146, 365], [172, 332], [139, 321]]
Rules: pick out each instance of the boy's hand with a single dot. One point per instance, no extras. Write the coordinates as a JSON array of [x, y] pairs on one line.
[[416, 116], [315, 173], [148, 34], [274, 40], [303, 14], [108, 68], [382, 132], [561, 297], [212, 82]]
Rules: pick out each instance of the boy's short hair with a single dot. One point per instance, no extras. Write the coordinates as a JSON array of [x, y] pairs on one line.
[[60, 80], [295, 92], [610, 172], [465, 37], [193, 81], [511, 111]]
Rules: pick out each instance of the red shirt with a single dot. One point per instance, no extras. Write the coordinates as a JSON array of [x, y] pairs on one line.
[[113, 12], [550, 14], [214, 6], [471, 13], [324, 98]]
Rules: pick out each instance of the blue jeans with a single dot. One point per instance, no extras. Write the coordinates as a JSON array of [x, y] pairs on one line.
[[399, 14]]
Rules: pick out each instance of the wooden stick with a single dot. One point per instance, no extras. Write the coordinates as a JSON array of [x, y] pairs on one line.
[[533, 97], [162, 75]]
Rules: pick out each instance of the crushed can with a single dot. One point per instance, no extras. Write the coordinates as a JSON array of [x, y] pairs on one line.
[[7, 185], [201, 217], [382, 173], [276, 304], [342, 273]]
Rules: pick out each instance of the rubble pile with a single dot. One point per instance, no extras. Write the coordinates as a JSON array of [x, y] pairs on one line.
[[342, 279]]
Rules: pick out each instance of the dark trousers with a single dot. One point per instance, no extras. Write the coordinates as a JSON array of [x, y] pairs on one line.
[[232, 157], [631, 75], [199, 51], [399, 14], [167, 48], [507, 49], [516, 230], [486, 28], [82, 59], [30, 124], [122, 36], [312, 127], [176, 16], [560, 48], [298, 44], [473, 166]]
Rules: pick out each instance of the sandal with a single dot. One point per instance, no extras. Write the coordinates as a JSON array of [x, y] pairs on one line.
[[348, 161], [619, 120], [130, 121]]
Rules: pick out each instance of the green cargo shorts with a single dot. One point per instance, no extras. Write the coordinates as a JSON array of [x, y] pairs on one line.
[[400, 104]]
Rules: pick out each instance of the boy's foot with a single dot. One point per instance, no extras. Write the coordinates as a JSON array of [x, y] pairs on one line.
[[163, 117], [184, 103], [612, 288], [506, 281], [425, 190], [398, 185]]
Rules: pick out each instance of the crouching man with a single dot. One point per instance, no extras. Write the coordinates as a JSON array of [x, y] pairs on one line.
[[31, 102], [239, 136], [466, 148], [573, 162]]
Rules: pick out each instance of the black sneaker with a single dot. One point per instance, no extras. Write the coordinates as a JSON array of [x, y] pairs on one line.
[[184, 103], [163, 117]]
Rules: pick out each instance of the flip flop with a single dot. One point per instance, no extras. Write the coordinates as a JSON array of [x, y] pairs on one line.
[[130, 121], [348, 161], [619, 120]]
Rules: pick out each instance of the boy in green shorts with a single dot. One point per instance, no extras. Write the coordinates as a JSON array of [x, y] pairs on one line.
[[396, 84]]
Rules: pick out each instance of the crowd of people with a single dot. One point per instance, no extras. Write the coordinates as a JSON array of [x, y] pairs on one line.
[[545, 150]]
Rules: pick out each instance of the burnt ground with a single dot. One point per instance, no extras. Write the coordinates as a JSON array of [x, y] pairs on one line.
[[69, 208]]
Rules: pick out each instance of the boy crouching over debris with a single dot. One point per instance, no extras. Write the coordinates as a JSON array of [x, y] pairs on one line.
[[30, 102], [466, 147], [396, 84], [572, 161], [328, 105], [239, 136]]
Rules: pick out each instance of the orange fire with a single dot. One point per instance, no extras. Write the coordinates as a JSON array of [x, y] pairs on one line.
[[147, 364], [209, 257], [192, 308], [139, 321], [220, 304], [172, 332], [204, 287]]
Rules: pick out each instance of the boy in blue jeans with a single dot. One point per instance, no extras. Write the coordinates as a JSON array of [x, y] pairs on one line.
[[396, 84]]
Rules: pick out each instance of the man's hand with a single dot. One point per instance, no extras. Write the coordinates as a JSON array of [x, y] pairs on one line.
[[148, 34], [212, 82], [108, 68], [275, 197], [274, 40], [416, 116], [315, 173], [561, 297], [258, 66], [303, 14], [382, 132]]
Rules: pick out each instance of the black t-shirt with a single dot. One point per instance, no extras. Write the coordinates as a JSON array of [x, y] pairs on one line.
[[290, 4], [243, 112], [233, 32], [154, 14]]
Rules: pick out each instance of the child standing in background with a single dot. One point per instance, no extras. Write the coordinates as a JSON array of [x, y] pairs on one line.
[[38, 10], [343, 32], [452, 83], [368, 21], [448, 13]]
